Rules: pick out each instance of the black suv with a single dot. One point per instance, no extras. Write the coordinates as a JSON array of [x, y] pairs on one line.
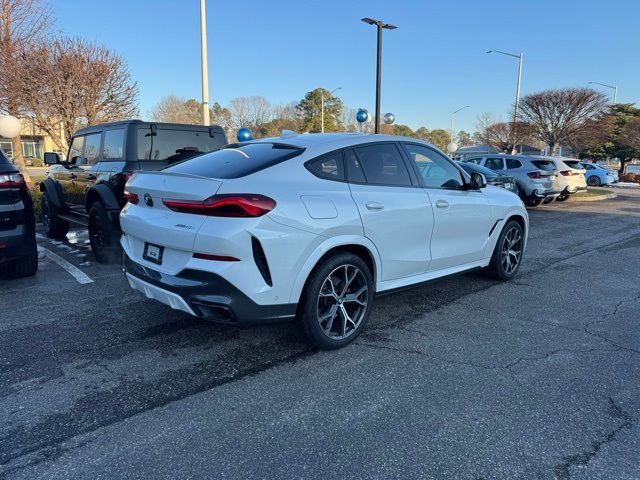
[[88, 189], [18, 250]]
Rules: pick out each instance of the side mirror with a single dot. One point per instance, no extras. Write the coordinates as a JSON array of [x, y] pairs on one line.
[[51, 158], [477, 181]]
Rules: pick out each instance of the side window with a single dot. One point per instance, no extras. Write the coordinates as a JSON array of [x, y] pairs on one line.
[[494, 163], [113, 148], [354, 168], [75, 150], [588, 167], [435, 169], [330, 167], [383, 165], [513, 163], [474, 160], [91, 149]]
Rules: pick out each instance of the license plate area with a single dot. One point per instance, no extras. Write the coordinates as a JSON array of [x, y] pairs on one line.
[[153, 253]]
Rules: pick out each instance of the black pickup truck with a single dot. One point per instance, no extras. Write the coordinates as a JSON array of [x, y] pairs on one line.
[[88, 188]]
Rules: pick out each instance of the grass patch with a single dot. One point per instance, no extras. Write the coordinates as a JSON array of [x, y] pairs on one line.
[[593, 192]]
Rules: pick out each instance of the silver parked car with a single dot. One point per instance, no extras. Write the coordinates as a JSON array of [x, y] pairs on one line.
[[536, 178]]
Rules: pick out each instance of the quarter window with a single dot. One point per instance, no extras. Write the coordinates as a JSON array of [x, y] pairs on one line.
[[354, 168], [435, 169], [330, 167], [383, 165], [513, 163], [113, 148]]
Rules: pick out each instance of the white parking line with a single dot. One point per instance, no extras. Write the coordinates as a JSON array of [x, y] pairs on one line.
[[75, 272]]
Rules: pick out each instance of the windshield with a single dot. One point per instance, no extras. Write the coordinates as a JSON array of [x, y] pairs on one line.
[[237, 161], [547, 165], [472, 167]]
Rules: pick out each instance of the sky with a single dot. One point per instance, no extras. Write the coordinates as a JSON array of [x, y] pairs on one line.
[[433, 63]]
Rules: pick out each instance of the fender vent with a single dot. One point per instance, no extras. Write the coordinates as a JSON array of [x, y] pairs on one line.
[[261, 261]]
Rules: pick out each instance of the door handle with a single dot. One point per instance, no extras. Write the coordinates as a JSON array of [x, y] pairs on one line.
[[73, 176], [375, 206], [442, 204]]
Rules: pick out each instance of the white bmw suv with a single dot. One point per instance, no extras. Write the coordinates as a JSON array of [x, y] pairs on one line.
[[312, 227]]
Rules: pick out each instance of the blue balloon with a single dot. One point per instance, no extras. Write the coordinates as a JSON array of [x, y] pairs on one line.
[[244, 135], [362, 116]]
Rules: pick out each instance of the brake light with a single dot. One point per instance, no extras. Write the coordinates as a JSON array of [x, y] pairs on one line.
[[228, 205], [534, 175], [219, 258], [131, 197], [12, 180], [567, 173]]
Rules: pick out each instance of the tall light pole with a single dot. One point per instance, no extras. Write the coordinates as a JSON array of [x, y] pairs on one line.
[[380, 25], [322, 107], [614, 87], [519, 56], [205, 68], [452, 115]]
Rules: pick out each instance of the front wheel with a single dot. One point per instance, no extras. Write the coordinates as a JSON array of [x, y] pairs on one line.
[[534, 202], [103, 235], [507, 254], [54, 227], [336, 301]]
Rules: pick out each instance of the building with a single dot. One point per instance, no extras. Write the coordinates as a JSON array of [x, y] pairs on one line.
[[34, 142]]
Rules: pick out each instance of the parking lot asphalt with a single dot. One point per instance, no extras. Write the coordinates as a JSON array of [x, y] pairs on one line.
[[462, 378]]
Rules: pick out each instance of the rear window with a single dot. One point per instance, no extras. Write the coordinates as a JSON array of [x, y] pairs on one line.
[[174, 145], [547, 165], [237, 161], [573, 164], [3, 158]]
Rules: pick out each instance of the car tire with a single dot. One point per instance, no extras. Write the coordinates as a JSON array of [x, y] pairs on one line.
[[330, 315], [103, 235], [594, 181], [54, 227], [532, 202], [24, 266], [509, 247], [562, 198]]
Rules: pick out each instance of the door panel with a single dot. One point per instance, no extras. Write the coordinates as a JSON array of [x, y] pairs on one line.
[[462, 224], [399, 222]]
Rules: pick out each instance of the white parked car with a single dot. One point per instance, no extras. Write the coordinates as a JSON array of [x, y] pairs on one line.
[[571, 177], [313, 227]]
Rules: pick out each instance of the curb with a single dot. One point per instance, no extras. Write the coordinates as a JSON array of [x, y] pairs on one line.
[[606, 196]]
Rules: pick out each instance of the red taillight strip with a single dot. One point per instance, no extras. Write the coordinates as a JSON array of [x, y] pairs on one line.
[[228, 205], [131, 197], [14, 180], [219, 258]]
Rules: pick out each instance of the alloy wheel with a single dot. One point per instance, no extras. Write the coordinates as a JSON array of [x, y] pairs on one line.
[[96, 233], [342, 302], [511, 251]]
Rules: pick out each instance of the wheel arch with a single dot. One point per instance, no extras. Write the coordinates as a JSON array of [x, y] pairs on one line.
[[102, 193], [360, 246], [54, 192]]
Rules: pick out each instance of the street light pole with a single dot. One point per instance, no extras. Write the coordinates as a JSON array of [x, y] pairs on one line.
[[205, 68], [379, 25], [452, 115], [322, 106], [520, 57], [613, 87]]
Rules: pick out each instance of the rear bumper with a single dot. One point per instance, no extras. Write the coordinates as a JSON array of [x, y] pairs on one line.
[[571, 190], [205, 295], [17, 242], [543, 194]]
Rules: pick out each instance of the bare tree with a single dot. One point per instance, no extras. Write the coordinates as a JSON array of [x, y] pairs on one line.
[[22, 24], [556, 115], [174, 109], [506, 136], [79, 84], [483, 122]]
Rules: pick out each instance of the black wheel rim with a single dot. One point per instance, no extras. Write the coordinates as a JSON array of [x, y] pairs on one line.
[[511, 250], [96, 232], [342, 302]]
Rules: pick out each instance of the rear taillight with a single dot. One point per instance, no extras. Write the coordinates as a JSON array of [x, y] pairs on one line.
[[228, 205], [131, 197], [126, 176], [534, 175], [567, 173], [12, 180]]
